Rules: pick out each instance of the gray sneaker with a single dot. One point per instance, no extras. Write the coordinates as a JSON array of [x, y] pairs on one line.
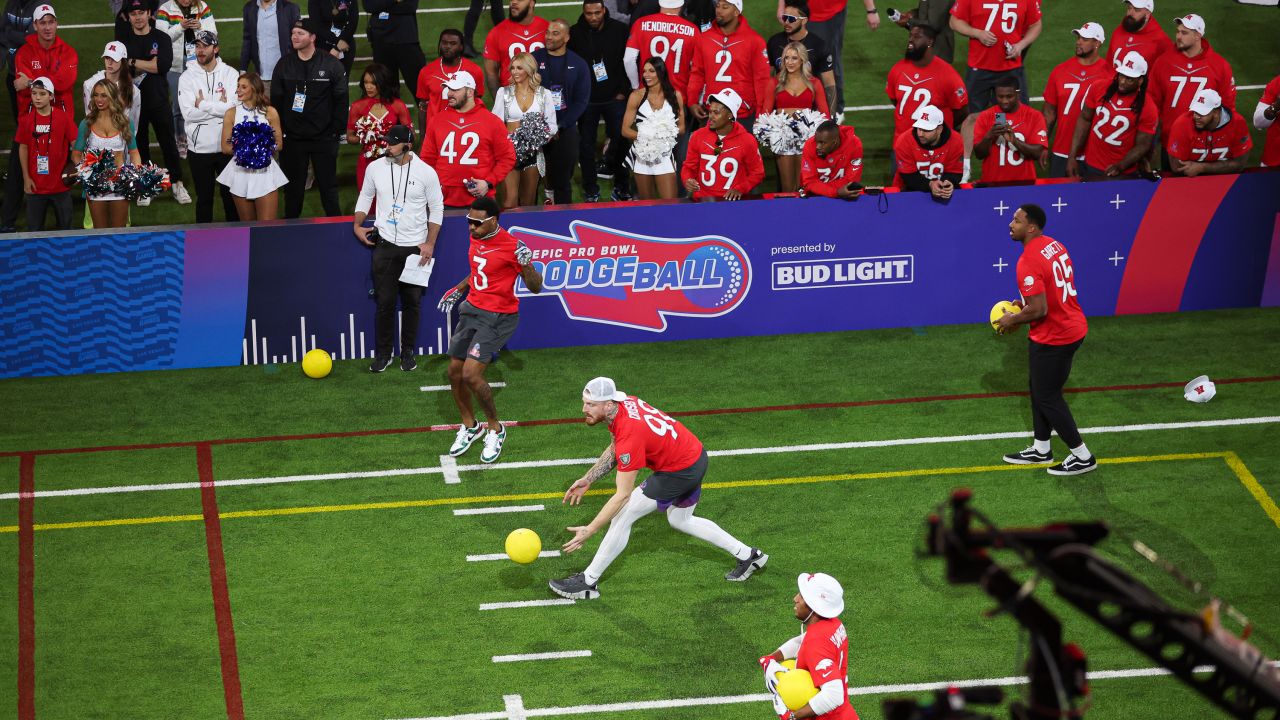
[[466, 436], [748, 566], [575, 587]]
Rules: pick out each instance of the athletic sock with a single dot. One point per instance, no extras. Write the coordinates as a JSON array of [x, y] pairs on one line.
[[1042, 446], [591, 579], [1081, 452]]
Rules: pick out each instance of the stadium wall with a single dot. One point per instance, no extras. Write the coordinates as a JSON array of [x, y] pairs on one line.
[[208, 296]]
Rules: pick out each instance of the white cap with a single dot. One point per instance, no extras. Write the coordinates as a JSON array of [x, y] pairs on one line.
[[1132, 65], [928, 117], [45, 83], [1191, 22], [730, 99], [737, 4], [41, 11], [671, 4], [1206, 101], [1091, 30], [602, 389], [1200, 390], [115, 50], [1143, 4], [822, 593], [460, 79]]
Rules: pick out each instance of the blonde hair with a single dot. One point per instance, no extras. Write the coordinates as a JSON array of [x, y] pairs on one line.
[[259, 99], [115, 108], [530, 67], [806, 68]]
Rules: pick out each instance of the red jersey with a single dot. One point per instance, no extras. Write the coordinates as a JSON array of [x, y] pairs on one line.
[[1115, 128], [494, 271], [739, 61], [508, 39], [671, 38], [431, 83], [1150, 42], [1008, 20], [932, 162], [466, 145], [49, 137], [911, 87], [822, 10], [644, 436], [1004, 163], [720, 164], [1069, 84], [824, 653], [1175, 79], [825, 175], [1044, 268], [1271, 149], [59, 63], [1225, 143]]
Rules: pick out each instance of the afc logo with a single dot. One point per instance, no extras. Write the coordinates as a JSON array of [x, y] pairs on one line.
[[35, 65]]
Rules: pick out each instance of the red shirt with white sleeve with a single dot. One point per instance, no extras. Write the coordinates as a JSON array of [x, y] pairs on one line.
[[508, 39], [911, 87], [1115, 128], [1045, 268], [1070, 84], [1271, 149], [1150, 42], [739, 60], [645, 437], [824, 653], [1008, 20], [824, 176], [494, 272], [1225, 143], [670, 37], [933, 162], [721, 164], [466, 145], [1003, 162], [432, 78], [1175, 79]]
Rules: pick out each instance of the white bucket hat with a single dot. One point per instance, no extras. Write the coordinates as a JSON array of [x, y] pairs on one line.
[[1200, 390], [822, 593]]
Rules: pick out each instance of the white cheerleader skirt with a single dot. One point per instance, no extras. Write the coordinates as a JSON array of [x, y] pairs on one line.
[[252, 184], [664, 166]]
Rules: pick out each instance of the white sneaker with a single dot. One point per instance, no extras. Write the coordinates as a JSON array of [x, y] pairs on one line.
[[144, 201], [492, 445], [180, 194], [466, 435]]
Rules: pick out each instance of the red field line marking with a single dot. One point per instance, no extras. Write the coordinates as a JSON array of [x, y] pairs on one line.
[[26, 591], [218, 581], [566, 421]]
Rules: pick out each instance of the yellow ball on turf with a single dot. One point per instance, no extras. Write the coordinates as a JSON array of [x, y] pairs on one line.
[[316, 363], [523, 546], [796, 689], [998, 310]]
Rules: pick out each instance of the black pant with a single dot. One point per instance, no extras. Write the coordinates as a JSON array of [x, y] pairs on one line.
[[403, 59], [157, 112], [13, 195], [473, 17], [205, 168], [562, 155], [611, 112], [388, 263], [323, 156], [38, 205], [1050, 366]]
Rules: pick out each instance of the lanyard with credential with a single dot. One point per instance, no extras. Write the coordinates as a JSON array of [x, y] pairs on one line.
[[398, 205]]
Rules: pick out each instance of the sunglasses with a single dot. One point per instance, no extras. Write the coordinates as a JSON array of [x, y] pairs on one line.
[[793, 18], [719, 145], [475, 222]]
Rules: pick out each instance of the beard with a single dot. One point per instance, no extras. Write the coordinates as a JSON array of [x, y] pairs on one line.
[[915, 54], [1132, 25], [511, 14]]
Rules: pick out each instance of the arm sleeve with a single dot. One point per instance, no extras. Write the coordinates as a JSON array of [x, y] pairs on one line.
[[88, 92], [504, 155], [689, 170], [435, 197], [367, 192], [1260, 120], [170, 25], [402, 112], [428, 151], [630, 60], [277, 84], [791, 648], [581, 94], [762, 76], [697, 76], [755, 169], [246, 36], [341, 98], [82, 137], [164, 58], [65, 78], [913, 181], [549, 111], [830, 696]]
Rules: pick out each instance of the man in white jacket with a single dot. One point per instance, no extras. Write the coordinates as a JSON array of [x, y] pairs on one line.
[[206, 90], [181, 20]]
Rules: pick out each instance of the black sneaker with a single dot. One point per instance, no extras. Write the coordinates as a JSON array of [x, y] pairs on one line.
[[620, 195], [379, 364], [408, 363], [574, 587], [748, 566], [1074, 466], [1030, 456], [603, 171], [591, 197]]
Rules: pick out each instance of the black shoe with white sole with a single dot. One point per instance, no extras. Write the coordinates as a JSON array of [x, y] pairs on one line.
[[1074, 466], [1030, 456], [744, 568], [575, 587], [380, 364], [408, 363]]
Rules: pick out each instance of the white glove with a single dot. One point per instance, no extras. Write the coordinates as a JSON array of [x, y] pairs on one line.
[[524, 255], [771, 675]]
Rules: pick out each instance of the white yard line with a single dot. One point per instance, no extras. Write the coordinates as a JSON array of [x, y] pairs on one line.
[[527, 464], [496, 510], [449, 468], [525, 604], [565, 654], [503, 556], [442, 388]]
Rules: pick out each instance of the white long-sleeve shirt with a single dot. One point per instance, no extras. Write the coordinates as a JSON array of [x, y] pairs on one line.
[[409, 198], [169, 19], [204, 121]]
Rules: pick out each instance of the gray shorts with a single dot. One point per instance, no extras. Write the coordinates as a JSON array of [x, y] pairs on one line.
[[981, 86], [680, 488], [480, 334]]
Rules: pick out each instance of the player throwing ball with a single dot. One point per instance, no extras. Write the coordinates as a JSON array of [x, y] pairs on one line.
[[643, 436], [822, 650], [1058, 327]]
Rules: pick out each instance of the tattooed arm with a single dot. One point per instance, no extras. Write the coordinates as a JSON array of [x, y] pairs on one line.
[[607, 462]]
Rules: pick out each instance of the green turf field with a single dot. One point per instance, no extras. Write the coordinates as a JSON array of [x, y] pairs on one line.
[[1254, 55], [350, 590]]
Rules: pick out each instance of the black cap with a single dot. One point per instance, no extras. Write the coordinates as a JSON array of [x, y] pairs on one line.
[[310, 25], [131, 5], [399, 134], [207, 37]]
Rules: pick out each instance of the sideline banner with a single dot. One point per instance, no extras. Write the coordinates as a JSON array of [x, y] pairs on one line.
[[266, 293]]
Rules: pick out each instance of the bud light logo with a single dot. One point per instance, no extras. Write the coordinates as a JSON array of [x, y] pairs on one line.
[[619, 278]]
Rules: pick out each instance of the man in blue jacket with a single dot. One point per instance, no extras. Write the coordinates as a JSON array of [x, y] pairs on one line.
[[566, 75]]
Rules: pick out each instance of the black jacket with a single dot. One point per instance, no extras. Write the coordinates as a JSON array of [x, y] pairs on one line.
[[324, 82], [341, 14], [399, 27], [608, 44], [286, 15], [15, 26]]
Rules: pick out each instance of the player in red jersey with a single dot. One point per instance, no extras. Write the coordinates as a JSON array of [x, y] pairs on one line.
[[1069, 85], [1116, 129], [1138, 32], [1177, 77], [643, 437], [522, 31], [1264, 118], [666, 35], [467, 145], [1014, 137], [831, 164], [921, 78], [930, 158], [730, 55], [486, 321], [1210, 139], [430, 92], [1058, 328], [724, 159], [822, 650]]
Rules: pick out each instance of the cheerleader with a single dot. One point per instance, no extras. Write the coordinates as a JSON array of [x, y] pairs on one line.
[[797, 90], [373, 115], [524, 95], [106, 130], [653, 121], [253, 176]]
